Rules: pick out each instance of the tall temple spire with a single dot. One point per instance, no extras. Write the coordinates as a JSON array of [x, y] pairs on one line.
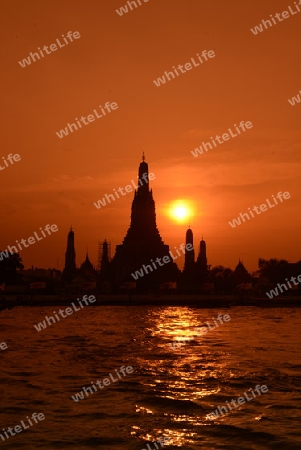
[[143, 181], [143, 243]]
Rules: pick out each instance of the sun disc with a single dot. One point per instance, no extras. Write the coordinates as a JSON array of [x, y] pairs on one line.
[[180, 211]]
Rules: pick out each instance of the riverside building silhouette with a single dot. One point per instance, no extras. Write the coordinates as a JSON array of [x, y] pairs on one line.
[[87, 271]]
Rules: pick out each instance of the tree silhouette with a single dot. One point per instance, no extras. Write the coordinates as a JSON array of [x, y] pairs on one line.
[[222, 277], [275, 270], [9, 267]]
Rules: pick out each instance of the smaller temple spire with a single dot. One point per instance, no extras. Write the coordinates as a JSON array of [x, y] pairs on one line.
[[189, 256], [70, 265], [143, 156]]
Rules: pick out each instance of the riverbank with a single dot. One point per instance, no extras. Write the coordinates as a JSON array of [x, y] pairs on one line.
[[177, 300]]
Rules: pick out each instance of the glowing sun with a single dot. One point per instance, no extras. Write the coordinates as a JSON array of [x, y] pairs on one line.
[[180, 211]]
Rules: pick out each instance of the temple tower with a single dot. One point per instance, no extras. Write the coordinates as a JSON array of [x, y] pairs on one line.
[[189, 266], [105, 260], [142, 242], [69, 271], [202, 257], [201, 264]]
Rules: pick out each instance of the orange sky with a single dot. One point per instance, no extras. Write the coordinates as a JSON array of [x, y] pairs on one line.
[[116, 59]]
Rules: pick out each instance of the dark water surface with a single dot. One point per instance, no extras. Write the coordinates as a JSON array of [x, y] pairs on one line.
[[171, 391]]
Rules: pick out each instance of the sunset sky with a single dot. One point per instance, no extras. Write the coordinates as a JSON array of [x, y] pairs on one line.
[[116, 59]]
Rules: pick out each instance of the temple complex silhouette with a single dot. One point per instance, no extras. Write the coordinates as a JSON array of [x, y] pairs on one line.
[[141, 246]]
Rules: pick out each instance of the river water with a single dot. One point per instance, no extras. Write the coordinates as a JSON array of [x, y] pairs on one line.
[[171, 391]]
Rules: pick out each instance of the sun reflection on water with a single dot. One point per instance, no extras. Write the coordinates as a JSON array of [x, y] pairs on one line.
[[180, 379]]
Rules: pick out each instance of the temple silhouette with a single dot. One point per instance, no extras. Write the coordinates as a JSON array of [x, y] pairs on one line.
[[143, 242], [141, 246]]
